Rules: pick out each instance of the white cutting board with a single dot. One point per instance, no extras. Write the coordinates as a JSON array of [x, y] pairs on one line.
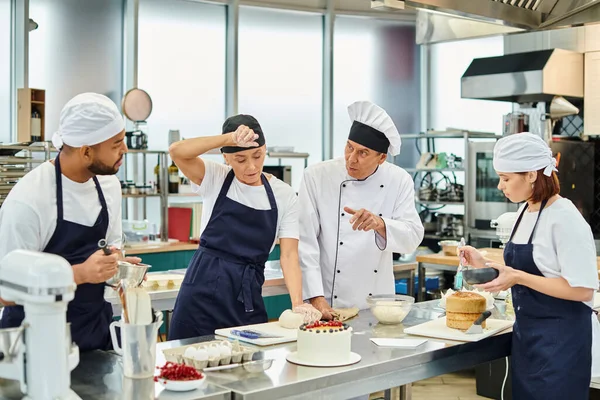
[[273, 328], [437, 329]]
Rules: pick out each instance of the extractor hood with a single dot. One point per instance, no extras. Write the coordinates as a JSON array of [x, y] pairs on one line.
[[524, 14], [534, 76]]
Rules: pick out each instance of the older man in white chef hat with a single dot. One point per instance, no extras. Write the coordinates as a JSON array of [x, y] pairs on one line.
[[354, 213], [66, 205], [551, 269]]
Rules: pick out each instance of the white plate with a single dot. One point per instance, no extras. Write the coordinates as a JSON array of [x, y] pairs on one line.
[[293, 358], [183, 386]]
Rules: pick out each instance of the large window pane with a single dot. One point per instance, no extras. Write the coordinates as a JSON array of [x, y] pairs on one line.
[[5, 70], [77, 48], [280, 79], [375, 60], [182, 67], [181, 64]]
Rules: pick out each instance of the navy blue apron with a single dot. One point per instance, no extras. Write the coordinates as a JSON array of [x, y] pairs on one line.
[[88, 313], [552, 338], [222, 287]]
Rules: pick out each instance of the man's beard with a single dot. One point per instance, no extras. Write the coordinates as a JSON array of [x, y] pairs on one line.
[[98, 168]]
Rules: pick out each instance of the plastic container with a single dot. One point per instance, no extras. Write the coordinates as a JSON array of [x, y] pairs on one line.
[[238, 354]]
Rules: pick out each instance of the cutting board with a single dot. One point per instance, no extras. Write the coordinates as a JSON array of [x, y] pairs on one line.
[[289, 335], [437, 329]]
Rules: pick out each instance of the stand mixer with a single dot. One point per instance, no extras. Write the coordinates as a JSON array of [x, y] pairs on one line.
[[41, 355], [504, 225]]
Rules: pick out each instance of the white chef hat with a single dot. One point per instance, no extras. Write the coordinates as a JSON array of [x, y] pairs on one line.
[[372, 127], [88, 119], [523, 152]]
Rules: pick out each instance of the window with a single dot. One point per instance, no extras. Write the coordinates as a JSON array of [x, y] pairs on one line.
[[5, 57], [77, 48], [181, 64], [281, 80], [375, 60]]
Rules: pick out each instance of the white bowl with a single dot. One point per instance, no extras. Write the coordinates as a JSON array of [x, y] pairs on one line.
[[390, 309], [183, 386]]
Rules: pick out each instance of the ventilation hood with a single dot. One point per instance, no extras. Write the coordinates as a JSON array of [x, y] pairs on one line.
[[530, 77], [524, 14]]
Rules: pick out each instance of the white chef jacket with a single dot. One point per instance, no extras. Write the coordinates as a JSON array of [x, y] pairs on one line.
[[343, 265]]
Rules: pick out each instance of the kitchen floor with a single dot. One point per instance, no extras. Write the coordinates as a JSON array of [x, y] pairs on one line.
[[457, 386]]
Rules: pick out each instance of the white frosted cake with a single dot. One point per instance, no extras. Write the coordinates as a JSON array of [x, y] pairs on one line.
[[324, 342]]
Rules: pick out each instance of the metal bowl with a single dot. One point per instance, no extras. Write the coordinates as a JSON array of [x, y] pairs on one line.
[[478, 276], [133, 274], [258, 365]]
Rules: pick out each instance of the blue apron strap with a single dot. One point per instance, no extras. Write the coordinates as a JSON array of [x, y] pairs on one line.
[[59, 197], [100, 194], [269, 190], [537, 220]]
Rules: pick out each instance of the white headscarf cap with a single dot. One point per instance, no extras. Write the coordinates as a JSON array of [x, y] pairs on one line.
[[88, 119], [523, 152]]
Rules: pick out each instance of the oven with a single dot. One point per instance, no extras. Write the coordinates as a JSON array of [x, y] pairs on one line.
[[282, 172], [484, 200]]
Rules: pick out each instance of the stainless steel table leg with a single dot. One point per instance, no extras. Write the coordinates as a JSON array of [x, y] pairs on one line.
[[387, 394], [411, 284], [421, 284]]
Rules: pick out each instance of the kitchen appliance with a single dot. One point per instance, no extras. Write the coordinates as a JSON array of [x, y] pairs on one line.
[[41, 355], [558, 108], [535, 76], [137, 107], [579, 175], [281, 172], [486, 201], [515, 122]]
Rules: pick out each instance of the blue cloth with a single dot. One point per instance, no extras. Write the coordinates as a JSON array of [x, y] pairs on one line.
[[552, 338], [222, 287], [88, 313]]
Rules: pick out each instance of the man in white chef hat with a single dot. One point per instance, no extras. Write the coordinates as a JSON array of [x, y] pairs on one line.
[[66, 205], [354, 213]]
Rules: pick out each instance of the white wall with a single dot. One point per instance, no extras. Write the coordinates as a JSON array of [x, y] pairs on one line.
[[4, 70]]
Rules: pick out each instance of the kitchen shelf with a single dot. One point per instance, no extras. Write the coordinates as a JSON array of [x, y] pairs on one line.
[[441, 203], [139, 196], [412, 170], [439, 237], [451, 135]]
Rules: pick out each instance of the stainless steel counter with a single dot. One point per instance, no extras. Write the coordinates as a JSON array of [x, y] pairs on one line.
[[99, 375]]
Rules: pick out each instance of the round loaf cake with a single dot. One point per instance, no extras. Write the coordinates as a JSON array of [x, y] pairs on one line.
[[463, 308]]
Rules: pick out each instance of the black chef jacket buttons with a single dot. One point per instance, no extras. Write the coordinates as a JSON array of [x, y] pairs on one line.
[[335, 297], [375, 271], [344, 185], [381, 215], [343, 214], [341, 243], [338, 271], [381, 186]]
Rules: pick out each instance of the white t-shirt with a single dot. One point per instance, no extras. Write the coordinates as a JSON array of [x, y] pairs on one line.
[[28, 215], [250, 196], [563, 244]]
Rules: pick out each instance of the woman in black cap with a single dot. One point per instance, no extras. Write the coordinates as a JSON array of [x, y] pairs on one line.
[[244, 212]]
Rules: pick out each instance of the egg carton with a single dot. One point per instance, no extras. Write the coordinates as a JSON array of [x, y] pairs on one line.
[[238, 354]]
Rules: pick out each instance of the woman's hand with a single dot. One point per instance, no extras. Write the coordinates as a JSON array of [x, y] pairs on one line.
[[244, 137], [310, 313], [507, 278], [471, 256]]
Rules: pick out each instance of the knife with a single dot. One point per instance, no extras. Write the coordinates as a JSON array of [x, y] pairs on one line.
[[476, 327]]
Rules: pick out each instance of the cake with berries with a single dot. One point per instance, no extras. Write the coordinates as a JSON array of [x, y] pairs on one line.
[[324, 342]]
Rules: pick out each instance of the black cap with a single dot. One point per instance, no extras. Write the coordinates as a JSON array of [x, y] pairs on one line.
[[232, 123]]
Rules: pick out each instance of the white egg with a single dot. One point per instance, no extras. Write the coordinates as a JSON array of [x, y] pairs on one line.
[[201, 355], [225, 351], [190, 352], [213, 352]]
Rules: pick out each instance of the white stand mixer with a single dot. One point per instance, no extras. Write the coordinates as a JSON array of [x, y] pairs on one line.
[[504, 225], [41, 355]]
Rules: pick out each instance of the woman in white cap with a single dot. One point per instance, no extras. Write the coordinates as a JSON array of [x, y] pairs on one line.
[[66, 205], [550, 266], [355, 211]]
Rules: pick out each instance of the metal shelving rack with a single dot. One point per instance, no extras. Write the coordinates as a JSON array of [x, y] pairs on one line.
[[466, 166]]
